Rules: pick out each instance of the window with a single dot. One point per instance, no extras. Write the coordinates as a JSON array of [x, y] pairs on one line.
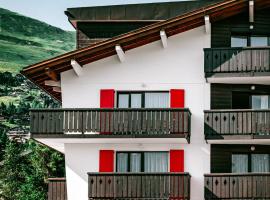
[[239, 41], [258, 41], [143, 99], [260, 102], [243, 163], [142, 162]]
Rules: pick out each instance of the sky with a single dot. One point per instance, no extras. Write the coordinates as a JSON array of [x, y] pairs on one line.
[[52, 11]]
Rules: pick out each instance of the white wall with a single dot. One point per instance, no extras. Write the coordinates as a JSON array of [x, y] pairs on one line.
[[150, 67]]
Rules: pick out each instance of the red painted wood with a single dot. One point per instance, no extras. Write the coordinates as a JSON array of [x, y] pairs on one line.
[[177, 98], [106, 98], [177, 160], [106, 161]]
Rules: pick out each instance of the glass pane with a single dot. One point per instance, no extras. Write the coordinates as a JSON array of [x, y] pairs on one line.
[[136, 100], [260, 102], [122, 162], [135, 162], [157, 100], [258, 41], [238, 41], [239, 163], [156, 162], [259, 163], [123, 100]]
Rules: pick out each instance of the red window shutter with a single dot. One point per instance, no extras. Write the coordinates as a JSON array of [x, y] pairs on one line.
[[107, 98], [176, 160], [177, 98], [106, 161]]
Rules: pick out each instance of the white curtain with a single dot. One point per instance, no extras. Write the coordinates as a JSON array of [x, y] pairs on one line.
[[260, 102], [123, 100], [136, 100], [156, 162], [122, 162], [239, 163], [135, 162], [156, 100], [260, 163]]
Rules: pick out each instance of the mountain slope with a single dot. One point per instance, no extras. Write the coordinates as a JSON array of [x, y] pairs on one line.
[[25, 41]]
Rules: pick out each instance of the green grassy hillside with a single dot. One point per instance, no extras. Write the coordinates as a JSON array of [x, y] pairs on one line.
[[25, 41]]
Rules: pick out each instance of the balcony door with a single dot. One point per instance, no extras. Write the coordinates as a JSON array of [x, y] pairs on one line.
[[244, 163], [143, 100], [142, 162]]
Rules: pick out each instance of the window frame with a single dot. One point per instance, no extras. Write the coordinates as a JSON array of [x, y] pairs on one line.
[[129, 93], [249, 159], [248, 36], [142, 159]]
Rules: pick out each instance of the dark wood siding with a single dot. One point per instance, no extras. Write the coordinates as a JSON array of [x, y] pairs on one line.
[[89, 33], [221, 155], [226, 96], [238, 25]]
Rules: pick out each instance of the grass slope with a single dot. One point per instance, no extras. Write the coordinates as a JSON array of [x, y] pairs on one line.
[[24, 41]]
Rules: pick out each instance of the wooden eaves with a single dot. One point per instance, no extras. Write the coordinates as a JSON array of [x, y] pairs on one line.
[[50, 69]]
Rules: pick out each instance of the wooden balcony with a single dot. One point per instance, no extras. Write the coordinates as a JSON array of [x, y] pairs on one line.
[[227, 62], [237, 186], [110, 123], [57, 189], [237, 124], [139, 186]]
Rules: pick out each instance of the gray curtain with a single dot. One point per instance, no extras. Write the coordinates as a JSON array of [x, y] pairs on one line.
[[122, 162], [156, 162], [123, 100], [260, 163], [136, 100], [135, 162], [156, 100], [239, 163]]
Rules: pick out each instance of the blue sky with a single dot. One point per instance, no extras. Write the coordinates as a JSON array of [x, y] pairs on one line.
[[52, 11]]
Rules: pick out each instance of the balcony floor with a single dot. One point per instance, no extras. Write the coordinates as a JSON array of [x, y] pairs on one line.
[[58, 143], [238, 78]]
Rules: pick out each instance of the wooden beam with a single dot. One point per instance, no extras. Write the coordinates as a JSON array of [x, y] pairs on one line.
[[120, 53], [51, 74], [56, 89], [251, 11], [77, 67], [163, 37], [207, 24], [52, 83]]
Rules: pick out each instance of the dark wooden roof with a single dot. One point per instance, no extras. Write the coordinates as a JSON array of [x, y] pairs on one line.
[[135, 12], [51, 69]]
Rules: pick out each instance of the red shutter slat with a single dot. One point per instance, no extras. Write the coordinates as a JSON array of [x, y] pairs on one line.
[[107, 98], [177, 161], [177, 98], [106, 161]]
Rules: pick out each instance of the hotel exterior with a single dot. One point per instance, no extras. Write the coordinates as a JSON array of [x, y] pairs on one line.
[[162, 101]]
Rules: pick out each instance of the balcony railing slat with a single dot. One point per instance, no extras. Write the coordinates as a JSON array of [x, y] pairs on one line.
[[237, 186], [237, 122], [236, 60], [111, 121], [139, 185]]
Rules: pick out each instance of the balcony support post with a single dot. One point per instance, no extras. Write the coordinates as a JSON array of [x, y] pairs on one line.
[[207, 24]]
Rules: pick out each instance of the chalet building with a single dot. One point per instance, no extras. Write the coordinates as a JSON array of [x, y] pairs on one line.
[[162, 101]]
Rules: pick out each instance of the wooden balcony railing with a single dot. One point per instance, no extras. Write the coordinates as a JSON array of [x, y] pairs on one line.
[[125, 122], [220, 123], [248, 60], [139, 186], [57, 189], [237, 186]]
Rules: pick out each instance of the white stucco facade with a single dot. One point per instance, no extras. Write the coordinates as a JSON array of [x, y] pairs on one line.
[[150, 67]]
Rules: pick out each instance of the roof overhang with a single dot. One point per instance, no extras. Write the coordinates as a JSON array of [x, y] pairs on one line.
[[38, 73]]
